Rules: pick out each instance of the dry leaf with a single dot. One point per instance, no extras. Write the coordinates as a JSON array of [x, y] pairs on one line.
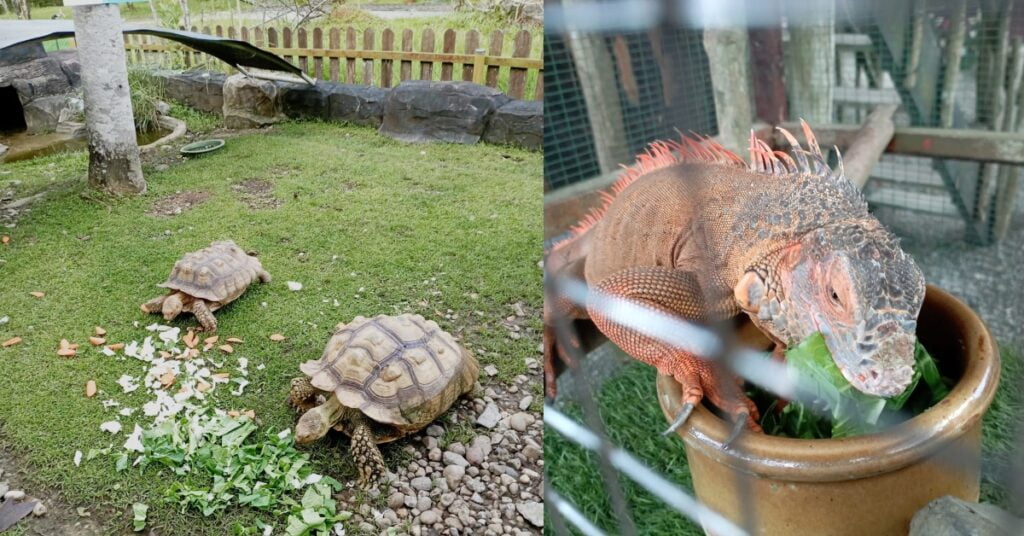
[[234, 340], [5, 239], [191, 353], [233, 413], [96, 341], [11, 342], [226, 348], [207, 347], [116, 347], [100, 331], [277, 337], [167, 379], [38, 294], [90, 388], [66, 352], [250, 413], [190, 339], [212, 340], [224, 376], [65, 345], [202, 386], [165, 354]]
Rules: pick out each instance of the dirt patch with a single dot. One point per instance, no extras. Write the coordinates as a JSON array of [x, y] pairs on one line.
[[60, 517], [175, 204], [258, 194]]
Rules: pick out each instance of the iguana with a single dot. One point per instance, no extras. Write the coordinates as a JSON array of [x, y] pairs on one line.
[[690, 230]]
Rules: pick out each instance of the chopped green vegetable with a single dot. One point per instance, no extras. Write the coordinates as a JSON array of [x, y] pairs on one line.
[[139, 521], [840, 410]]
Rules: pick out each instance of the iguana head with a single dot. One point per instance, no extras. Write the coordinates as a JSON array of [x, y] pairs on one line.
[[852, 282]]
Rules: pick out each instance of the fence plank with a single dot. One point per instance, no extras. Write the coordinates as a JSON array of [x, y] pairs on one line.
[[286, 37], [472, 43], [538, 94], [427, 45], [318, 61], [257, 36], [245, 34], [350, 44], [303, 60], [405, 71], [220, 30], [448, 48], [232, 33], [517, 76], [387, 43], [368, 62], [497, 42]]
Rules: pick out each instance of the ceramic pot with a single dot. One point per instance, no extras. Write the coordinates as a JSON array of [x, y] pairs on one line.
[[871, 484]]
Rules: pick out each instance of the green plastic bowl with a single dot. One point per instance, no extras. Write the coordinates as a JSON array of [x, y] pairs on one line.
[[202, 147]]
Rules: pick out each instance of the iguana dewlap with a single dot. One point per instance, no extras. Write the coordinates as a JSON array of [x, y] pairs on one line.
[[694, 232]]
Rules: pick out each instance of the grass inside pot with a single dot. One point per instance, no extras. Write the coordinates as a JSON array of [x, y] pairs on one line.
[[839, 410]]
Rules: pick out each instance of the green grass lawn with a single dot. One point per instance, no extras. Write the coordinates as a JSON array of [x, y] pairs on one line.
[[448, 231], [634, 421]]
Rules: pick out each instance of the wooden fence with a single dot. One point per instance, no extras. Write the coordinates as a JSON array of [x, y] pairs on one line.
[[355, 57]]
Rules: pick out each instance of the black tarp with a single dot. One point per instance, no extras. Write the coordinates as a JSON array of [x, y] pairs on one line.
[[230, 51]]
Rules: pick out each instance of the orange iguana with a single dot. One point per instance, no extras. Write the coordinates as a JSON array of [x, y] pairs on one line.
[[692, 231]]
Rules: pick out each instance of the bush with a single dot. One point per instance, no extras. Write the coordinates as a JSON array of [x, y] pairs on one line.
[[146, 91]]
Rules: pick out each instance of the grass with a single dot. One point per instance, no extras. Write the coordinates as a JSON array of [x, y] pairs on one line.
[[634, 421], [380, 226]]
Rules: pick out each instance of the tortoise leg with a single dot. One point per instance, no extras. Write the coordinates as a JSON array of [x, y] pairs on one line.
[[367, 456], [155, 305], [302, 397], [264, 275], [204, 316]]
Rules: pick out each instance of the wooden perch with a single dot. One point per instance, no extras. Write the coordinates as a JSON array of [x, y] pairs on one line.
[[869, 144]]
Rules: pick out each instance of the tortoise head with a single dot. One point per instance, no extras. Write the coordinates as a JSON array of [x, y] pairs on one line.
[[172, 306], [311, 426]]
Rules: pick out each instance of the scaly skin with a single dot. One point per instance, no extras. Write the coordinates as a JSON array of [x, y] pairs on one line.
[[786, 240]]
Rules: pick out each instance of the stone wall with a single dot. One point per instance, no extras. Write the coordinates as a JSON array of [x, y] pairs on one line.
[[415, 111], [47, 84]]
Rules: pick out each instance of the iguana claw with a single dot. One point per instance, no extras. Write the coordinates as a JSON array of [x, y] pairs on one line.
[[684, 413], [737, 429]]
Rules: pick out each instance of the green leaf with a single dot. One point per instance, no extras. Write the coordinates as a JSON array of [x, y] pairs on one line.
[[139, 520]]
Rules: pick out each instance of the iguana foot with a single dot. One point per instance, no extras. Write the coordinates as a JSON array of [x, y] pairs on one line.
[[695, 385], [553, 350]]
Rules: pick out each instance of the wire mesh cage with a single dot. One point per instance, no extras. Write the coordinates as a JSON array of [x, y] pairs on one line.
[[620, 74]]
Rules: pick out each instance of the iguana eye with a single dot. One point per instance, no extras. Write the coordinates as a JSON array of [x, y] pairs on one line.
[[835, 297]]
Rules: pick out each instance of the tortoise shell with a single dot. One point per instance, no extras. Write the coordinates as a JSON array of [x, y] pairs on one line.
[[400, 371], [218, 273]]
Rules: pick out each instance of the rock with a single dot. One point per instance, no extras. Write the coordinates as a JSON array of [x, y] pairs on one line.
[[43, 114], [396, 500], [457, 448], [517, 123], [453, 475], [301, 101], [524, 404], [410, 501], [490, 416], [475, 455], [421, 483], [451, 458], [39, 509], [199, 89], [4, 488], [3, 151], [355, 104], [367, 528], [532, 453], [14, 495], [426, 111], [424, 504], [250, 102], [162, 107], [491, 370], [447, 499], [430, 517], [434, 455], [435, 431], [430, 442], [483, 443], [949, 516], [520, 421], [532, 511]]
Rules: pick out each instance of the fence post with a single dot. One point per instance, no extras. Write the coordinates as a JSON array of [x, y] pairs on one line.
[[448, 47], [350, 63], [318, 60], [480, 67], [405, 71], [472, 44], [387, 44], [427, 45], [497, 41]]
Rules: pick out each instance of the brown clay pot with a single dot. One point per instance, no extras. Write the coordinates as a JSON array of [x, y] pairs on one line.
[[871, 484]]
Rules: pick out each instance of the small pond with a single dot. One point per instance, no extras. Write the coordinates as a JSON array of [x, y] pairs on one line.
[[22, 146]]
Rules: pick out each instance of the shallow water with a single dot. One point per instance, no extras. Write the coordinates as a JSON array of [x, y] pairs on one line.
[[22, 146]]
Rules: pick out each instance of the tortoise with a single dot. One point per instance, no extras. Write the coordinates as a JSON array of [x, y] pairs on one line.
[[206, 280], [380, 379]]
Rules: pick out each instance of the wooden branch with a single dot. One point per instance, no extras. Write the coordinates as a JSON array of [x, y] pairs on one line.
[[954, 51], [869, 144]]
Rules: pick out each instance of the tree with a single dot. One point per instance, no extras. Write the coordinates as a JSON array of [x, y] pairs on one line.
[[24, 12], [186, 19], [114, 164]]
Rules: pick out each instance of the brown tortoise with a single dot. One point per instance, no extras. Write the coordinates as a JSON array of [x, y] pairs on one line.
[[206, 280], [381, 378]]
